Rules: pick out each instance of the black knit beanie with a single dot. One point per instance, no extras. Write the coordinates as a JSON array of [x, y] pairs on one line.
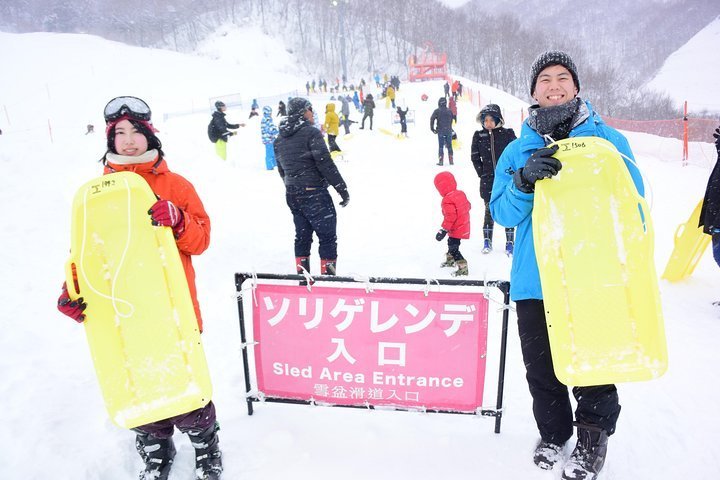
[[549, 58], [298, 106]]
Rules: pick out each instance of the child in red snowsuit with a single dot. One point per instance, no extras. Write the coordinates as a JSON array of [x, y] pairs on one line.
[[456, 221]]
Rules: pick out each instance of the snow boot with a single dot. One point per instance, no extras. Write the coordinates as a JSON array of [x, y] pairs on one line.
[[158, 455], [450, 159], [462, 268], [302, 262], [487, 246], [449, 261], [509, 249], [440, 161], [327, 267], [547, 454], [588, 458], [208, 458]]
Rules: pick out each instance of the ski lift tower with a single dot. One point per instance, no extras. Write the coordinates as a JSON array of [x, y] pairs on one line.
[[428, 65]]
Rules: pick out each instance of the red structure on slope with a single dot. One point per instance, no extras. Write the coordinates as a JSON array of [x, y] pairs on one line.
[[428, 65]]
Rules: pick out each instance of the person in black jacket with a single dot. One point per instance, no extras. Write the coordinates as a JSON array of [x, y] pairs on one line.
[[488, 144], [368, 110], [306, 168], [219, 129], [710, 211], [403, 120], [441, 124], [282, 110]]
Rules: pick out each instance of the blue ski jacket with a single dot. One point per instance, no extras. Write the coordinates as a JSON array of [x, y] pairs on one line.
[[268, 130], [511, 207]]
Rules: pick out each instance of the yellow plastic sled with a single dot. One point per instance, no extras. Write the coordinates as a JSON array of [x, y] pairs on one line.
[[398, 136], [690, 244], [594, 245], [140, 322]]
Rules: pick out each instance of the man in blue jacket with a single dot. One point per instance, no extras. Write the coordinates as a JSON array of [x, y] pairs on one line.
[[558, 114]]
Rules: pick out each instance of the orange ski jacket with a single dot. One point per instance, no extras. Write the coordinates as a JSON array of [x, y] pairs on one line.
[[167, 185]]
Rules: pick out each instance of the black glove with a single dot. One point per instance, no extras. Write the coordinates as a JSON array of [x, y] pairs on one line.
[[540, 165], [434, 131], [717, 139], [441, 234], [345, 198]]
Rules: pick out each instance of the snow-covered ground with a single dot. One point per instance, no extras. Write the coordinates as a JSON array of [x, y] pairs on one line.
[[55, 425]]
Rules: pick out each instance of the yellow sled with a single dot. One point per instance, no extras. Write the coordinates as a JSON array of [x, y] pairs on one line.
[[690, 244], [398, 136], [594, 246], [140, 322], [337, 156]]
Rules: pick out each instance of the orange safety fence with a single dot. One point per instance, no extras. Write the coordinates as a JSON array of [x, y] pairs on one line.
[[687, 130], [698, 129]]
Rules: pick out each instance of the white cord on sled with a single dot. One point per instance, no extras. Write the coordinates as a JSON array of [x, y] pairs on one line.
[[113, 283]]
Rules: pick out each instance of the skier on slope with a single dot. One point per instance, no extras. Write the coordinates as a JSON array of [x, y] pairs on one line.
[[488, 144], [132, 146], [558, 114]]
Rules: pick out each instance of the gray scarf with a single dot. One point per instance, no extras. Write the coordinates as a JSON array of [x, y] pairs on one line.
[[556, 122]]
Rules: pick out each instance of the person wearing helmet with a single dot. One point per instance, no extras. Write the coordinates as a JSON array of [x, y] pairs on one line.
[[488, 144], [219, 130]]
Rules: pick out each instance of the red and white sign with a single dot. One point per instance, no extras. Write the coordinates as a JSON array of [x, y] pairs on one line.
[[348, 346]]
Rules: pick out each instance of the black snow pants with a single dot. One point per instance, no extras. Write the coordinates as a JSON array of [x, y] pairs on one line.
[[596, 405]]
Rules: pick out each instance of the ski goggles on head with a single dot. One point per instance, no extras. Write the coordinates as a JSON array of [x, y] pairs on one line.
[[131, 106]]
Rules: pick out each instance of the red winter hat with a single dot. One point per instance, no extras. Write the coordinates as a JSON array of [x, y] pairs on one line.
[[111, 124]]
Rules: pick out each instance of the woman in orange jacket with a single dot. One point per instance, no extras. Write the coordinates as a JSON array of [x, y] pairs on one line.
[[133, 146]]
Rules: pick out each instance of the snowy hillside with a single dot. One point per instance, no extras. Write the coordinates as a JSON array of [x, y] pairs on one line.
[[692, 72], [55, 423]]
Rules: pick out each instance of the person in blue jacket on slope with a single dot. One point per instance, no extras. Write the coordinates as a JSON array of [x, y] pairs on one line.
[[558, 114]]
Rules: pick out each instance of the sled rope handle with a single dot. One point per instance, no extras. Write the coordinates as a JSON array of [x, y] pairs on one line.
[[645, 180], [112, 296]]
